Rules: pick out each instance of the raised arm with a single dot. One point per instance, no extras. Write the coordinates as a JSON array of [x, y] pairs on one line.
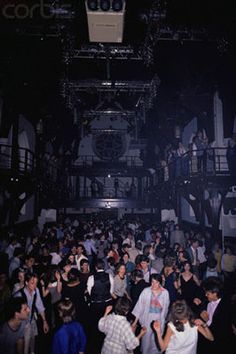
[[163, 342]]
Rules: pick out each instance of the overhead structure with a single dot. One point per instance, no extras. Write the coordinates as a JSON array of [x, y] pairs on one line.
[[105, 20]]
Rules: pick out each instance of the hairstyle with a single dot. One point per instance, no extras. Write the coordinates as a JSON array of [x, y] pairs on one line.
[[211, 262], [66, 310], [179, 311], [29, 275], [190, 265], [213, 285], [73, 275], [100, 264], [83, 261], [111, 261], [14, 305], [29, 256], [118, 266], [122, 306], [126, 254], [66, 262], [138, 259], [169, 261], [144, 258], [81, 246], [157, 277], [137, 273], [126, 245]]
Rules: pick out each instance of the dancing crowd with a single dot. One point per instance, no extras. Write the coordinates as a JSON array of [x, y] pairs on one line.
[[114, 287]]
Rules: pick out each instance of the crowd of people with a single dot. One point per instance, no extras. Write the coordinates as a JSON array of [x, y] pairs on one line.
[[114, 287]]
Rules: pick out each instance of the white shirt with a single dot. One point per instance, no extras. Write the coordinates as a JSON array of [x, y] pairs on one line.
[[183, 342], [201, 255], [211, 307], [90, 283], [56, 258]]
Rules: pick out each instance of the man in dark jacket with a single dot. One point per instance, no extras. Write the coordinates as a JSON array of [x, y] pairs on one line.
[[218, 317]]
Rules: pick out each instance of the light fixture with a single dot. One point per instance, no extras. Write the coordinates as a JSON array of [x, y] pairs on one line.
[[105, 20], [93, 5], [117, 5], [108, 205], [105, 5]]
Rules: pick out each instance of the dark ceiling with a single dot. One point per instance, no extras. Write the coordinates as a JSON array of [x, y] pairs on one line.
[[196, 58]]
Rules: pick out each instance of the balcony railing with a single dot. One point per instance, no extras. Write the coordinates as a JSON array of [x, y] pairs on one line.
[[205, 163], [19, 160], [22, 161], [91, 160]]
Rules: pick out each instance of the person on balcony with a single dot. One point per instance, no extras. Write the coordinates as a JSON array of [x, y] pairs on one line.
[[201, 145], [94, 188], [231, 157], [116, 186], [181, 161]]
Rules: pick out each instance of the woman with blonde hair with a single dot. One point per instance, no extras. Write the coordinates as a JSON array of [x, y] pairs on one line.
[[70, 337]]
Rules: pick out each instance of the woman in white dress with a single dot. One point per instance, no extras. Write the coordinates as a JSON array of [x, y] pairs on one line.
[[152, 305], [182, 330]]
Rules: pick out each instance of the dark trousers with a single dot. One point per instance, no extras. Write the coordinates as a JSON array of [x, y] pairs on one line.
[[96, 338]]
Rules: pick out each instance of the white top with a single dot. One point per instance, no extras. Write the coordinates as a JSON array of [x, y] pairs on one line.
[[183, 342]]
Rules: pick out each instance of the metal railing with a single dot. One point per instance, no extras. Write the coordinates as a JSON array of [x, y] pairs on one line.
[[106, 192], [21, 160], [90, 160], [206, 163]]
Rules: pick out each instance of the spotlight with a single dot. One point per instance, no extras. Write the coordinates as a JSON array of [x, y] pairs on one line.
[[105, 5], [93, 5], [117, 5]]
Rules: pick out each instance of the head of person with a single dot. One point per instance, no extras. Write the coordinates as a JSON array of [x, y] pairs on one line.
[[29, 261], [169, 261], [144, 262], [126, 247], [17, 308], [146, 250], [67, 266], [179, 313], [66, 310], [125, 257], [80, 250], [213, 287], [99, 265], [115, 245], [71, 258], [122, 306], [186, 266], [73, 275], [3, 279], [31, 281], [155, 281], [120, 269], [137, 275], [229, 250], [21, 275], [195, 243], [84, 266]]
